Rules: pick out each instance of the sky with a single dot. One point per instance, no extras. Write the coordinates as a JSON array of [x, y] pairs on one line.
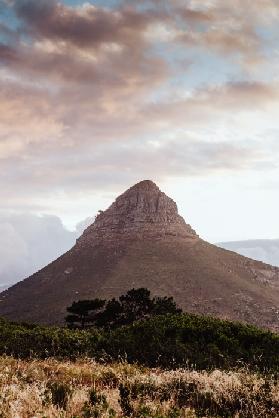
[[97, 95]]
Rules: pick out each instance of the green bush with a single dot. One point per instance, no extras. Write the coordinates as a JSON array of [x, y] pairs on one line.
[[167, 341], [202, 342], [21, 340]]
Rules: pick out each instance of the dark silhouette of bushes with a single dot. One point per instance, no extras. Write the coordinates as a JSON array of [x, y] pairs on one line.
[[136, 304]]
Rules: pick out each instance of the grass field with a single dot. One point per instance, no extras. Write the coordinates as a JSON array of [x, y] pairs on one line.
[[83, 389]]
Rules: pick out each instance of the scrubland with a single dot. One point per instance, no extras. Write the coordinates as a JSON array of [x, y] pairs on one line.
[[165, 367], [84, 388]]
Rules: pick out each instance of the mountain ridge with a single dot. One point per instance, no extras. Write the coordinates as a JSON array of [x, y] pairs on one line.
[[266, 250]]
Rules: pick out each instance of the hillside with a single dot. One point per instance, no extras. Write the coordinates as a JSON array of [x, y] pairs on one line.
[[141, 241]]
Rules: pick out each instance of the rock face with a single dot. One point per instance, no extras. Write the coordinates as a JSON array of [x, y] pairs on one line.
[[142, 212], [142, 241]]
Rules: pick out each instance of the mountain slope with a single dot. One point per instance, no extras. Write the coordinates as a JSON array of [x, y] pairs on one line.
[[141, 240]]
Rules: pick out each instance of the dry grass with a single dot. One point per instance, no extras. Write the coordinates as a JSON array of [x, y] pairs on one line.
[[85, 389]]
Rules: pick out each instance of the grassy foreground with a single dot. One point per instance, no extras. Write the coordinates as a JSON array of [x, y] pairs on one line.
[[83, 389]]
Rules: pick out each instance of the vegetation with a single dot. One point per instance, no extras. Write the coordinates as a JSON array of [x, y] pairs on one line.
[[154, 362], [135, 305], [85, 389], [83, 312], [168, 341]]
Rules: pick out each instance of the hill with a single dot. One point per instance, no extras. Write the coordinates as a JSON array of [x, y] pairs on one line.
[[142, 241], [266, 250]]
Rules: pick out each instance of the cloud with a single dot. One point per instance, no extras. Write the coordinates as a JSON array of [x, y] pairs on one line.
[[84, 44], [111, 48], [57, 146], [93, 97], [224, 27], [207, 102], [29, 242], [76, 174], [26, 118], [82, 225], [84, 26]]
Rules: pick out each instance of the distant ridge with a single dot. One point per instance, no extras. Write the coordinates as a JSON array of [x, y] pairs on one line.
[[266, 250], [142, 241]]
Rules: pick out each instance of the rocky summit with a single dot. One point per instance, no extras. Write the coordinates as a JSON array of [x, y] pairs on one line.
[[142, 241], [142, 212]]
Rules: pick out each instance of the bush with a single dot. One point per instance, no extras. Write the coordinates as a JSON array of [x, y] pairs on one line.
[[167, 341], [203, 342], [125, 400], [96, 406], [21, 340], [60, 393]]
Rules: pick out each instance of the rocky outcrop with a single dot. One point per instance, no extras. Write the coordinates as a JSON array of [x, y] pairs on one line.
[[142, 212]]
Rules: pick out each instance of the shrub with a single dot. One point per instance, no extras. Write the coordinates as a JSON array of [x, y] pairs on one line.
[[203, 342], [125, 400], [168, 341], [96, 405], [96, 398], [60, 393], [24, 341]]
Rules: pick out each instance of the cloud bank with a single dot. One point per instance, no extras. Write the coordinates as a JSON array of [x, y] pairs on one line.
[[28, 243]]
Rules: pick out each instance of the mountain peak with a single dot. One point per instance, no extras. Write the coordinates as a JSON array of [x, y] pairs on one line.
[[141, 212], [144, 185]]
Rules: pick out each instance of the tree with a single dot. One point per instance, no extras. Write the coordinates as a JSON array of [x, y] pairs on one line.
[[83, 312], [136, 304], [111, 316], [165, 305]]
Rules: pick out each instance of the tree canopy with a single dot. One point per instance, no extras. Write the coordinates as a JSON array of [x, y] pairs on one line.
[[83, 312], [136, 304]]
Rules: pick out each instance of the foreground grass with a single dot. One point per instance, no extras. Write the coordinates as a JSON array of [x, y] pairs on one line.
[[83, 389]]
